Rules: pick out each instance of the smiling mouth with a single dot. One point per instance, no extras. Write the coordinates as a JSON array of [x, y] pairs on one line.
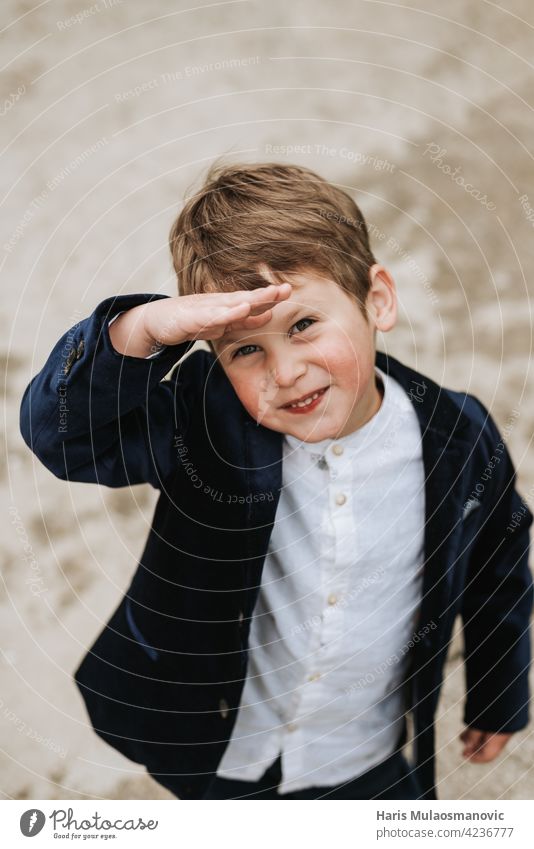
[[307, 401]]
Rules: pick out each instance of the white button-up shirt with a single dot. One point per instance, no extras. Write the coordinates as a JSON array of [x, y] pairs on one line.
[[338, 605]]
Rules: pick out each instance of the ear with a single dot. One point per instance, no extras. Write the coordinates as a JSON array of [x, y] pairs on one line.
[[381, 302]]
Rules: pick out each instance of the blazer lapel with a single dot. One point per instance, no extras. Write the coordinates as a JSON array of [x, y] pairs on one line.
[[444, 495], [445, 448]]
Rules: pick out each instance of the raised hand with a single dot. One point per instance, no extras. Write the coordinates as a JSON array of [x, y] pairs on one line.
[[211, 315], [170, 321]]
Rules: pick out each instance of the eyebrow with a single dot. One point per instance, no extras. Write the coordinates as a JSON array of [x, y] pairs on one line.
[[231, 339]]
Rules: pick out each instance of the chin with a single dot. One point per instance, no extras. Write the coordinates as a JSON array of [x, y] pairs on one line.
[[318, 434], [320, 437]]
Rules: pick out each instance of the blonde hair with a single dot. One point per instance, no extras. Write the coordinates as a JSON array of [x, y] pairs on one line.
[[286, 217]]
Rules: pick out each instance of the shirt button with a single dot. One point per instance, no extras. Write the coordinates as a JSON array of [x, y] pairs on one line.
[[340, 498], [223, 708], [314, 677], [337, 449], [291, 726], [332, 598]]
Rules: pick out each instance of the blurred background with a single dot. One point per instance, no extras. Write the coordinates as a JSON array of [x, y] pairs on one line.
[[110, 112]]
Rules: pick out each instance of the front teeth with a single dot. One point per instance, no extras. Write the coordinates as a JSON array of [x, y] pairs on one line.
[[307, 401]]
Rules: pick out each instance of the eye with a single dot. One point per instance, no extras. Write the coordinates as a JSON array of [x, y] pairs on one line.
[[303, 319], [239, 351], [245, 351]]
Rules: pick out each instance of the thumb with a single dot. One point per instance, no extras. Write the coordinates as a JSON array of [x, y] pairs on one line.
[[472, 739]]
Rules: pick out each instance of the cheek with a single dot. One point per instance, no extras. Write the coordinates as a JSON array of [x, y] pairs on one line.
[[349, 367], [248, 393], [340, 360]]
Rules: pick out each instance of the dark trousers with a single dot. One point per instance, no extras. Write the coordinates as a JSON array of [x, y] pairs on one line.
[[391, 779]]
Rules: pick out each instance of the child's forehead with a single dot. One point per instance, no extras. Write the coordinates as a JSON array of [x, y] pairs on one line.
[[301, 279], [314, 291]]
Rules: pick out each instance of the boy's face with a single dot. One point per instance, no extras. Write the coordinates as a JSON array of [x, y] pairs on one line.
[[317, 340]]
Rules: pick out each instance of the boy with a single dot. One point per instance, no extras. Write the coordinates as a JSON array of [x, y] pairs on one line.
[[325, 512]]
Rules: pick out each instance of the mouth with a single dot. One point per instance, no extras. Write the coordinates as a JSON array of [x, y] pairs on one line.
[[307, 403]]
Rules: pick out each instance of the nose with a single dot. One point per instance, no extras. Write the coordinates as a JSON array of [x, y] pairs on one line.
[[287, 369]]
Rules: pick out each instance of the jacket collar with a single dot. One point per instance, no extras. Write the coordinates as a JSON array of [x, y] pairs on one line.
[[435, 410]]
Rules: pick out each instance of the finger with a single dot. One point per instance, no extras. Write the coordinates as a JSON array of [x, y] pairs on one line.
[[469, 734], [271, 302], [223, 316], [270, 294], [252, 321], [473, 739], [279, 290], [258, 309], [243, 308], [274, 292], [491, 747], [250, 306]]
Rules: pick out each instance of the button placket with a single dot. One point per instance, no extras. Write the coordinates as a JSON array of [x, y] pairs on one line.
[[309, 697], [338, 473], [343, 525]]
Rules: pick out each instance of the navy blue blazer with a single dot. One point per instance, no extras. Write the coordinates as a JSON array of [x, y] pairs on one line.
[[163, 681]]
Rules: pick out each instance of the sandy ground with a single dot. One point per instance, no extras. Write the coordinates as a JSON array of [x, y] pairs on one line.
[[107, 118]]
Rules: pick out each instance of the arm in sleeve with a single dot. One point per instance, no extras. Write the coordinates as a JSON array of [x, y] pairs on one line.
[[95, 415], [497, 601]]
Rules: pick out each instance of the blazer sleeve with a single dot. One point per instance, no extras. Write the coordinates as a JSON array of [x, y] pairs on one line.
[[497, 600], [94, 415]]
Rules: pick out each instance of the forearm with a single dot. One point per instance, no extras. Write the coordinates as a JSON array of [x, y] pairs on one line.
[[128, 334]]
